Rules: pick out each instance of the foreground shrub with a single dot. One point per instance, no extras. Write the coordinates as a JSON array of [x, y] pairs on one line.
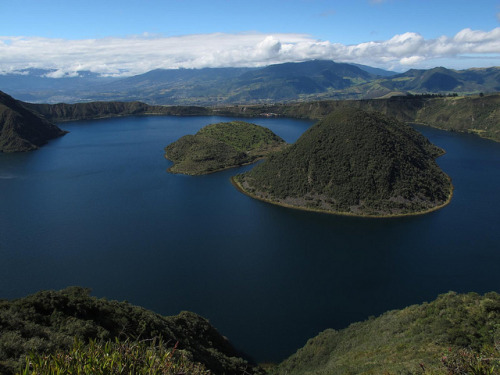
[[150, 357]]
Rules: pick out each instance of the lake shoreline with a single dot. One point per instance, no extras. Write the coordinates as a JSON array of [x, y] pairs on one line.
[[241, 189]]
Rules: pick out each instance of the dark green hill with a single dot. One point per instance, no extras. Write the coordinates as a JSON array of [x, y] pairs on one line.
[[94, 110], [353, 162], [292, 80], [21, 129], [402, 341], [50, 320], [219, 146]]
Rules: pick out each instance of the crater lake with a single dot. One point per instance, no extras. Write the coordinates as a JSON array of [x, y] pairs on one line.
[[96, 208]]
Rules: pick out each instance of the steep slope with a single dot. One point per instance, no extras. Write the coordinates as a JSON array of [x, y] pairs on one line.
[[50, 320], [22, 129], [353, 162], [220, 146], [405, 341]]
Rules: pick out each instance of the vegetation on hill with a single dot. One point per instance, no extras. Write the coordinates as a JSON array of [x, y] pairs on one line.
[[94, 110], [427, 338], [353, 162], [479, 114], [69, 332], [287, 82], [49, 321], [146, 357], [22, 129], [220, 146]]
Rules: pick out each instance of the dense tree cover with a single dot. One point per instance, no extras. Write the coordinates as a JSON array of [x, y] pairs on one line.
[[49, 321], [353, 162], [220, 146], [455, 334], [61, 332], [477, 114], [94, 110]]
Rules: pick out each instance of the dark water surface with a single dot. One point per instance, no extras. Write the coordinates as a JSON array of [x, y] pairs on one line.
[[96, 208]]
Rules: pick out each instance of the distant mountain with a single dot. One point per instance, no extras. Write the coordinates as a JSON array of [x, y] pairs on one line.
[[33, 85], [439, 80], [285, 82], [353, 162], [310, 80], [22, 129], [376, 71]]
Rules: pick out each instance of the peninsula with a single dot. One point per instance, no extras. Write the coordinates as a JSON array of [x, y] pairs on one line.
[[22, 129], [220, 146], [354, 163]]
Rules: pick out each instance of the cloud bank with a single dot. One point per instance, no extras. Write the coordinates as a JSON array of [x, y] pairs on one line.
[[139, 54]]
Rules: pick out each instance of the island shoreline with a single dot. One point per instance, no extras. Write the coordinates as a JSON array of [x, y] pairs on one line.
[[240, 188]]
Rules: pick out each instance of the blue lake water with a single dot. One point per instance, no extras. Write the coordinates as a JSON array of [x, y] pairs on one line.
[[97, 208]]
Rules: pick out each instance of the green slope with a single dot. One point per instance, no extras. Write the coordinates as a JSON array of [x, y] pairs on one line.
[[353, 162], [219, 146], [50, 320], [399, 341], [21, 129]]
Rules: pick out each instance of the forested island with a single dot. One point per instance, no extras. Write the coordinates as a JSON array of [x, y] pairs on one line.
[[353, 162], [220, 146]]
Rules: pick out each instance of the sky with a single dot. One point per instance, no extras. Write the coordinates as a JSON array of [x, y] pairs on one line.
[[128, 37]]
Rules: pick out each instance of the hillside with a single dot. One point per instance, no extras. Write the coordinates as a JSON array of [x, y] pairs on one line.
[[454, 334], [50, 320], [478, 114], [408, 341], [287, 82], [85, 111], [22, 129], [353, 162], [220, 146], [474, 114]]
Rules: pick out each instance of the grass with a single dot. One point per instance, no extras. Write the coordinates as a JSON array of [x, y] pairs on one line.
[[149, 357]]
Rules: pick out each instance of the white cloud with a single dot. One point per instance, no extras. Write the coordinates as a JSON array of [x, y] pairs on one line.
[[138, 54]]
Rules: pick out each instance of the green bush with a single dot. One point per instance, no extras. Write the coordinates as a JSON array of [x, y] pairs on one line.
[[149, 357]]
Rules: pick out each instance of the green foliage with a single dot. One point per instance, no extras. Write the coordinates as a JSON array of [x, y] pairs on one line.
[[49, 321], [149, 357], [408, 341], [356, 162], [220, 146], [243, 136], [22, 129], [466, 361]]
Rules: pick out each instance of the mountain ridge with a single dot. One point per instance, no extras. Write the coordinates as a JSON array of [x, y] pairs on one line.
[[308, 80]]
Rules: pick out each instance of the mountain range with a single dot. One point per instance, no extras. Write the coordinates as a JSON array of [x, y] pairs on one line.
[[310, 80]]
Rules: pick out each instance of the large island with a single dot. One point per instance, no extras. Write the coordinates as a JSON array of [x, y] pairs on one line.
[[354, 163]]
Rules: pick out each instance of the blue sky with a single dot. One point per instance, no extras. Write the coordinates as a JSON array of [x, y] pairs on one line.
[[100, 35]]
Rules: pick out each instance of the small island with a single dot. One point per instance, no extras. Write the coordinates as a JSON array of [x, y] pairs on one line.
[[353, 163], [221, 146]]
